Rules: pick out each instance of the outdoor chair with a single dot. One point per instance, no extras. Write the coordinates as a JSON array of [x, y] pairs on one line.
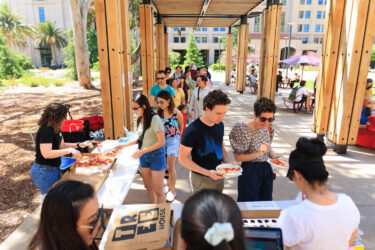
[[297, 106]]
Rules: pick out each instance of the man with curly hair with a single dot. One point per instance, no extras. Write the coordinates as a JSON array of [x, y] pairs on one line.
[[203, 139]]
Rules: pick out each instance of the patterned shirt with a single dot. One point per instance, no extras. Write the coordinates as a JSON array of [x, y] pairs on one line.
[[245, 140]]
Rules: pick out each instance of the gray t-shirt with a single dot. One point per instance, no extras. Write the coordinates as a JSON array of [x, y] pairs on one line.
[[150, 137]]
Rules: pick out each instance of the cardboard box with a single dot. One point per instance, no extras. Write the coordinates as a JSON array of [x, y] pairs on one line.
[[149, 227], [105, 169]]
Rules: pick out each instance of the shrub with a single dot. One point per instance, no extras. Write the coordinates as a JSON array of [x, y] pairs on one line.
[[2, 84], [215, 67], [58, 83], [35, 81], [95, 66]]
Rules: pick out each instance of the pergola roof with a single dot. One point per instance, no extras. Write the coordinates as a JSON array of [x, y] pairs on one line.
[[204, 13]]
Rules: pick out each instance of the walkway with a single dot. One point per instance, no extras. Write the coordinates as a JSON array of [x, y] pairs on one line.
[[352, 173]]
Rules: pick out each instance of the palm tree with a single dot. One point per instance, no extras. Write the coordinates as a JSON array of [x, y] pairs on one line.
[[13, 28], [49, 35]]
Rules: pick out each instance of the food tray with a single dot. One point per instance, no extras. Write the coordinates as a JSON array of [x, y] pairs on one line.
[[104, 168]]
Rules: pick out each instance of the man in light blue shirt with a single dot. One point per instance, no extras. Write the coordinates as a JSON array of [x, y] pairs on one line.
[[161, 85]]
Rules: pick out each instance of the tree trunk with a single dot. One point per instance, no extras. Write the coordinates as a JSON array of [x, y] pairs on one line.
[[79, 10], [53, 51]]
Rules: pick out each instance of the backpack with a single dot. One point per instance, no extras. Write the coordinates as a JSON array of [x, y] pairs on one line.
[[293, 95]]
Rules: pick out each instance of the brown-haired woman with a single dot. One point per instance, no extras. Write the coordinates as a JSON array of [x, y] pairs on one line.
[[173, 125], [50, 146]]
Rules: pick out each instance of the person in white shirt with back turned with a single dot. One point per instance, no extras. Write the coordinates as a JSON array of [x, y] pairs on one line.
[[324, 220], [303, 95]]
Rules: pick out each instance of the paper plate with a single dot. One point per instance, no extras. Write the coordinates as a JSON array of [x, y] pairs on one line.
[[229, 166], [277, 165], [66, 163], [110, 151]]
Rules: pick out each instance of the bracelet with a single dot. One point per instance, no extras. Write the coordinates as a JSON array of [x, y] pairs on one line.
[[78, 146]]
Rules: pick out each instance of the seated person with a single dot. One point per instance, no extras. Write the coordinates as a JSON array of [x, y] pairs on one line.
[[303, 95], [70, 218], [253, 80], [211, 220], [296, 79], [279, 80], [324, 220], [366, 112]]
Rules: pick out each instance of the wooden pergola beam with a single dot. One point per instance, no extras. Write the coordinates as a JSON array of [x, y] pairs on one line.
[[228, 58], [243, 34], [166, 58], [160, 45]]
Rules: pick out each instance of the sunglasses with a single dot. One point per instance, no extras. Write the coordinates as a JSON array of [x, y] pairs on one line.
[[168, 72], [92, 225], [160, 102], [135, 109], [162, 78], [264, 119]]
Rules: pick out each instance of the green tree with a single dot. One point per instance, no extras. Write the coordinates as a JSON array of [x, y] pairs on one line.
[[12, 63], [49, 35], [174, 58], [13, 28], [70, 59], [193, 53], [373, 54], [92, 44]]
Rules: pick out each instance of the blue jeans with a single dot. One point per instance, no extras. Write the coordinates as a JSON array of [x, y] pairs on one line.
[[154, 160], [44, 176], [256, 182], [172, 145]]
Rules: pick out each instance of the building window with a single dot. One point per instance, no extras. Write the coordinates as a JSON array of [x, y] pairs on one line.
[[302, 2], [322, 28], [283, 2], [175, 29], [198, 39], [306, 28], [183, 39], [282, 21], [320, 2], [222, 29], [324, 14], [305, 40], [216, 40], [42, 17], [316, 40], [317, 28], [216, 29], [183, 29], [300, 14], [325, 2], [176, 39], [256, 24], [204, 39], [204, 28], [319, 14], [308, 2], [307, 14], [197, 29], [299, 28]]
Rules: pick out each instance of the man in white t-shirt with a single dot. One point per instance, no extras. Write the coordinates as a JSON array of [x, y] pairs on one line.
[[303, 94]]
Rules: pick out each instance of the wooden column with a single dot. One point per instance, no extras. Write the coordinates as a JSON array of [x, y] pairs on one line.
[[147, 47], [114, 62], [166, 58], [243, 35], [160, 45], [356, 21], [228, 58], [265, 34], [270, 51]]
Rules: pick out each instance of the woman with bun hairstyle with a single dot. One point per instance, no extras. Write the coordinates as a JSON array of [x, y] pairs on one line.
[[70, 218], [211, 220], [50, 146], [324, 220]]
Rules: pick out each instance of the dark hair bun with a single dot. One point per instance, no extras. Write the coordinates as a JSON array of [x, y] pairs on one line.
[[313, 148]]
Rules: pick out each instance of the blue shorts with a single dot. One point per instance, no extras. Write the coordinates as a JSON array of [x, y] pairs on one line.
[[172, 145], [44, 176], [154, 160]]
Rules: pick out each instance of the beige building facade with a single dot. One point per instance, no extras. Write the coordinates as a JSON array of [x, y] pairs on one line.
[[35, 11]]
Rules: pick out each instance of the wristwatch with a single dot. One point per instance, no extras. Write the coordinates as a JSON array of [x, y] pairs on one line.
[[78, 146]]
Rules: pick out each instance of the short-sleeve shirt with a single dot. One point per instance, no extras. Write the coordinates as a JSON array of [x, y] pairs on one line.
[[366, 113], [150, 137], [180, 95], [206, 143], [156, 89], [300, 93], [310, 226], [245, 140], [46, 135]]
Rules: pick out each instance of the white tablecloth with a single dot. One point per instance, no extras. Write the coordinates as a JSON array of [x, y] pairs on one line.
[[115, 188]]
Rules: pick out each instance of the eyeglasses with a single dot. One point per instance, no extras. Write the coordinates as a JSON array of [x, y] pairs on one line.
[[162, 78], [160, 102], [264, 119], [168, 72], [135, 109], [94, 223]]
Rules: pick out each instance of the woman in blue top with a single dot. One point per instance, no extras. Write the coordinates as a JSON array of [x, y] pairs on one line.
[[173, 125]]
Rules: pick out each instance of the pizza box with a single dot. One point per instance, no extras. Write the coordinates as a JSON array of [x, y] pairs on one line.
[[136, 228], [104, 168]]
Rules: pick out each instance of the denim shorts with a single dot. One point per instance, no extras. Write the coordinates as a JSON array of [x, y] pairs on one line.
[[44, 176], [154, 160], [172, 144]]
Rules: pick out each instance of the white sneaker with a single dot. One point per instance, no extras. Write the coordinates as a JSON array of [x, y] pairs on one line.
[[165, 189], [170, 197]]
